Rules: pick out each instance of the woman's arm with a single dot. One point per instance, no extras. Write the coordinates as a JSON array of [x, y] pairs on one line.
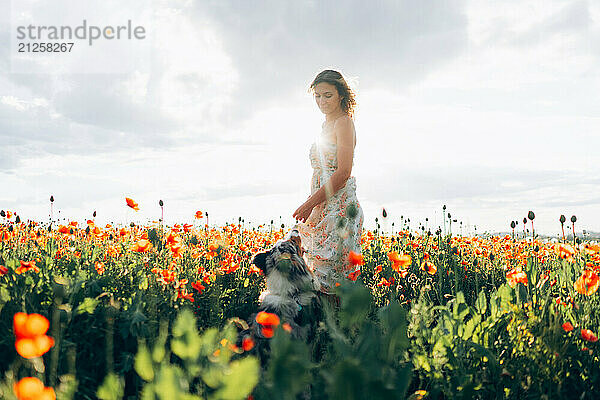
[[345, 152]]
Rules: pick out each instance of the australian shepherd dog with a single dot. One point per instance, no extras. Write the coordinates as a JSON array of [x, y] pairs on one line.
[[292, 290]]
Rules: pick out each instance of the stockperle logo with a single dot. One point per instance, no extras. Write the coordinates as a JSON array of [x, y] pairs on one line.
[[90, 33]]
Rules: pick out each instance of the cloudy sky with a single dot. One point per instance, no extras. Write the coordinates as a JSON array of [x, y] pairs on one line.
[[490, 108]]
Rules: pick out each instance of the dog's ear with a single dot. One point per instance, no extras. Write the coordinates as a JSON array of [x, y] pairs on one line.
[[295, 237], [260, 260]]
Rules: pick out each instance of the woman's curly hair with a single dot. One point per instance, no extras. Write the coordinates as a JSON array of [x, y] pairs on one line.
[[335, 78]]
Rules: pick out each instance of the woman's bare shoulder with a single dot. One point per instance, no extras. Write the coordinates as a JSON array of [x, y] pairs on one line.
[[344, 122]]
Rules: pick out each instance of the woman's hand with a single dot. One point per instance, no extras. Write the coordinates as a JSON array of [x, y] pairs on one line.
[[303, 212]]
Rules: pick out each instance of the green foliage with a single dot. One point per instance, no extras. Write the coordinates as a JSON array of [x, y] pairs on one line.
[[112, 388], [208, 356]]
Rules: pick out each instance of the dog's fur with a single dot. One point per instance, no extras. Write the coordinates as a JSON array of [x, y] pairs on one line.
[[292, 289]]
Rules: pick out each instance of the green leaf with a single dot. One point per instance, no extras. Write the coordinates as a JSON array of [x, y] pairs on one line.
[[186, 342], [88, 305], [144, 283], [143, 363], [241, 379], [112, 388], [481, 303], [67, 388]]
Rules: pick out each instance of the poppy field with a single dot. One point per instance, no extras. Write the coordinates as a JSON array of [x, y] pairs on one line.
[[159, 312]]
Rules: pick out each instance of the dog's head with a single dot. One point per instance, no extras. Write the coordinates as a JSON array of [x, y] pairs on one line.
[[284, 261], [289, 249]]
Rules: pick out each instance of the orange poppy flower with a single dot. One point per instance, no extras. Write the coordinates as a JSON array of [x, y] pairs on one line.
[[30, 388], [354, 275], [198, 215], [265, 318], [30, 331], [429, 267], [567, 326], [141, 245], [587, 283], [515, 276], [355, 258], [588, 335], [398, 261], [564, 251], [26, 266], [287, 327], [132, 204], [198, 286], [269, 322], [247, 343]]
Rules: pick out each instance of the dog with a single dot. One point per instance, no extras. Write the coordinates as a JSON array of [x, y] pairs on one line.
[[292, 289]]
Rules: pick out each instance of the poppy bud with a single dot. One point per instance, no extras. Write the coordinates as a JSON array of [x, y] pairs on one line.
[[18, 219], [512, 224], [536, 248], [524, 221], [578, 240], [573, 219], [10, 228], [376, 219], [475, 262], [492, 256], [71, 231], [2, 213], [132, 224], [444, 208], [51, 199], [454, 220], [87, 230], [449, 216], [282, 226], [384, 213], [562, 219], [160, 203], [530, 215], [50, 228], [94, 214]]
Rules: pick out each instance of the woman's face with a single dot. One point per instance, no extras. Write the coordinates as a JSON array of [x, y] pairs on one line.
[[327, 98]]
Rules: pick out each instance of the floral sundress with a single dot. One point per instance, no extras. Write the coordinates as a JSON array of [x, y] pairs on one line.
[[332, 230]]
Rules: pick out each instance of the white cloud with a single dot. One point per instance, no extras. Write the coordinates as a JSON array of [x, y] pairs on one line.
[[490, 108]]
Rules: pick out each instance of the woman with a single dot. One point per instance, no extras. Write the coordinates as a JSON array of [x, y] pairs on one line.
[[331, 218]]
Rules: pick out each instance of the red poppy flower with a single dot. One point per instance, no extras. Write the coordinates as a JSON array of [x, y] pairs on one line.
[[142, 246], [429, 267], [30, 388], [355, 258], [247, 343], [588, 335], [30, 331], [587, 283], [269, 322], [567, 326], [132, 204]]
